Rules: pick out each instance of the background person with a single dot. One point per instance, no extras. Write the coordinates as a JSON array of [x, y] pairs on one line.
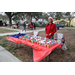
[[17, 24], [28, 26], [34, 25], [24, 27], [50, 30], [31, 26]]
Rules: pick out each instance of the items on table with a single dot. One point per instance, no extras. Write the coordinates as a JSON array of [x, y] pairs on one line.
[[43, 41]]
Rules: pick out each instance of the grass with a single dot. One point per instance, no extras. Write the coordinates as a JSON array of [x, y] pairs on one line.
[[21, 27], [71, 29], [30, 54], [67, 60], [68, 54], [6, 30], [25, 53]]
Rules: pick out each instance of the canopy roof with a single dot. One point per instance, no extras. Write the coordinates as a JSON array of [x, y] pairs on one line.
[[62, 21]]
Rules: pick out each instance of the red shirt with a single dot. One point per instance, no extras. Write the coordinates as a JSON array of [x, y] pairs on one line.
[[31, 25], [51, 30]]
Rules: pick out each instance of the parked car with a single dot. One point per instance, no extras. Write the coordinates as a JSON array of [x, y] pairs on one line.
[[60, 25]]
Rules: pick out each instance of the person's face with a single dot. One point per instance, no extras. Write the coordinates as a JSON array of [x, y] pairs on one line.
[[50, 20]]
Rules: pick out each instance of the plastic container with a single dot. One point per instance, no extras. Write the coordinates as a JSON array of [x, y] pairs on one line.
[[32, 40], [45, 43], [48, 45], [38, 42], [35, 41], [20, 37], [29, 39]]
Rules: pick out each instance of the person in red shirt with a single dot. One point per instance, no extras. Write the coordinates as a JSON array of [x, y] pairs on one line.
[[31, 26], [50, 28]]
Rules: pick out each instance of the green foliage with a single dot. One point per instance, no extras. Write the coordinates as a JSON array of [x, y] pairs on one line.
[[58, 15], [4, 17], [3, 44]]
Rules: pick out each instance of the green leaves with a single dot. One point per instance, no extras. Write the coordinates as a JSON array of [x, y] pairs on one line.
[[58, 15]]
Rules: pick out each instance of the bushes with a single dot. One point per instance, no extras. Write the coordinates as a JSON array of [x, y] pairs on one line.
[[67, 25]]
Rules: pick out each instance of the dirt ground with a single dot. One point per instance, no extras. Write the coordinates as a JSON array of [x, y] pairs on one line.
[[25, 53]]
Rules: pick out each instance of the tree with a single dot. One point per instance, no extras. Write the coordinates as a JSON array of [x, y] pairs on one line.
[[58, 15], [10, 15], [52, 14], [3, 17], [36, 15], [70, 16], [45, 16], [19, 17]]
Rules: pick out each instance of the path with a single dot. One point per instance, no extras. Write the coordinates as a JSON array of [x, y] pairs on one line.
[[20, 31], [6, 56]]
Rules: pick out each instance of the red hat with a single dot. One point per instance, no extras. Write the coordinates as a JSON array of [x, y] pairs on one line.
[[51, 18]]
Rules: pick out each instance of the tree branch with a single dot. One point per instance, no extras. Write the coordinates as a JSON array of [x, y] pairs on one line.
[[15, 14]]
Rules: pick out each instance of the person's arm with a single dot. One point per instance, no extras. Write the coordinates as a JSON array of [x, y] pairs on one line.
[[54, 29], [46, 30]]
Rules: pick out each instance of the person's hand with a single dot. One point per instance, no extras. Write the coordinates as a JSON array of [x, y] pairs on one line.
[[46, 34], [50, 34]]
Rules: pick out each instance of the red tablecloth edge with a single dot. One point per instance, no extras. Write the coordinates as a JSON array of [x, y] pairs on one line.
[[41, 49]]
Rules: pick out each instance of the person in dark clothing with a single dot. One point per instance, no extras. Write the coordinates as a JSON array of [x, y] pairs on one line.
[[28, 26], [24, 27], [17, 24], [5, 24], [34, 25]]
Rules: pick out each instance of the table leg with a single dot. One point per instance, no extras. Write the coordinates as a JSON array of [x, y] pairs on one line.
[[46, 59], [49, 57], [16, 46]]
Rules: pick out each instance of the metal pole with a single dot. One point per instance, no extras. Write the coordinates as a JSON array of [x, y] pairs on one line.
[[20, 45], [49, 57]]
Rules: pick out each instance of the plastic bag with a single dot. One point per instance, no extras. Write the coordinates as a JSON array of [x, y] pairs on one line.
[[35, 33], [64, 47]]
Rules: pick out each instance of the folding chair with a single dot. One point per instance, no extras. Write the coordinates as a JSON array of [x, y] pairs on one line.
[[60, 37]]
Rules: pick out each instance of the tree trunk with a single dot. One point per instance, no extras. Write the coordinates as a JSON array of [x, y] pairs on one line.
[[69, 22], [10, 21], [30, 18], [9, 16]]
